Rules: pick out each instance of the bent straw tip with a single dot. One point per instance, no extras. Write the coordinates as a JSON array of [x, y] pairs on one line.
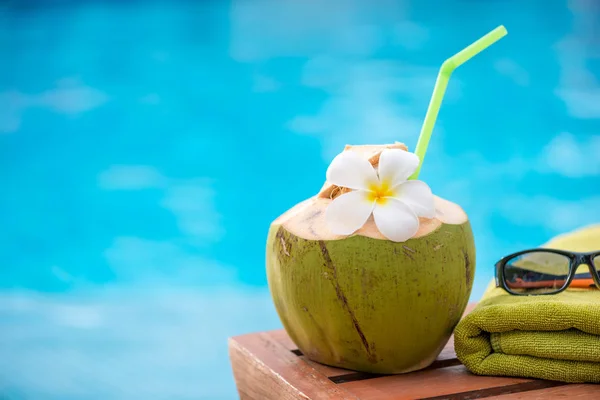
[[446, 70]]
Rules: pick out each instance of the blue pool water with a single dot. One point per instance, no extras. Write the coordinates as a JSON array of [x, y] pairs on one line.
[[146, 146]]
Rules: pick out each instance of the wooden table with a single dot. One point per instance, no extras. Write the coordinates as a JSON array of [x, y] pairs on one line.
[[268, 365]]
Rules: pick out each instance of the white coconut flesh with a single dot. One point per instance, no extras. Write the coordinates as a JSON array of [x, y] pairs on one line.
[[307, 219]]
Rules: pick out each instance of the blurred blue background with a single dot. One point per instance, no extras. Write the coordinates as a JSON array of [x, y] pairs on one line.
[[146, 146]]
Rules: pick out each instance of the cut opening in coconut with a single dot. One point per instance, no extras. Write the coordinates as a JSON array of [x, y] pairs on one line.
[[307, 219]]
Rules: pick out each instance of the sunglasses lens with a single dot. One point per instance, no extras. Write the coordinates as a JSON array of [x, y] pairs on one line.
[[597, 263], [537, 273]]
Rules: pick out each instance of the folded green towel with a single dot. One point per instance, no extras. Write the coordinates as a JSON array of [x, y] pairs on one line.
[[555, 337]]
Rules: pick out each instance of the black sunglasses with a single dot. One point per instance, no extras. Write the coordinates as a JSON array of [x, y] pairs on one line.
[[547, 271]]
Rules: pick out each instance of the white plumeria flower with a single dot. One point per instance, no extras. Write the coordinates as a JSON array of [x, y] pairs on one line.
[[395, 202]]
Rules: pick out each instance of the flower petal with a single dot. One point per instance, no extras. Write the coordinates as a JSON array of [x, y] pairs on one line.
[[348, 212], [417, 195], [350, 170], [395, 220], [395, 166]]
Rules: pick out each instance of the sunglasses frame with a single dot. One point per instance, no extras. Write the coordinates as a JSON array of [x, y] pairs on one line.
[[575, 260]]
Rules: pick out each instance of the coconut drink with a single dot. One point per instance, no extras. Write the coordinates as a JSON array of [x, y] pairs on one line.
[[374, 271]]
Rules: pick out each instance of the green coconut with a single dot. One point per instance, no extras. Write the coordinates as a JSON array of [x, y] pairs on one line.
[[363, 302]]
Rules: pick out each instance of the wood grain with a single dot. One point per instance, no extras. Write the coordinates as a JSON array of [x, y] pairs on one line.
[[425, 384], [567, 392], [265, 370], [494, 392]]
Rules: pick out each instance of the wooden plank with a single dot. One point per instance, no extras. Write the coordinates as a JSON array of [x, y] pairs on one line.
[[265, 370], [579, 391], [494, 392], [426, 384]]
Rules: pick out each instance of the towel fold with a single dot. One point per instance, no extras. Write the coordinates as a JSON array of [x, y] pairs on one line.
[[554, 337]]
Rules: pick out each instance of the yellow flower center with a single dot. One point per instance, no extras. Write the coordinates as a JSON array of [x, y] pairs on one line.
[[379, 192]]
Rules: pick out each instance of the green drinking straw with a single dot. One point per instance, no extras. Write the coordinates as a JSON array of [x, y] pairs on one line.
[[440, 88]]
